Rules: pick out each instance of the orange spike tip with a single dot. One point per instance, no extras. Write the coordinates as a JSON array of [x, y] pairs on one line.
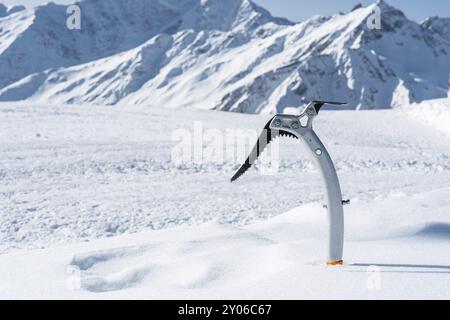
[[335, 263]]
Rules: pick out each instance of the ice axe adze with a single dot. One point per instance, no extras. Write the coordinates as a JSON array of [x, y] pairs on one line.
[[300, 127]]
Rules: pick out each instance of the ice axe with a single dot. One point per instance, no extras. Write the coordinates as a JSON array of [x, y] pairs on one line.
[[300, 127]]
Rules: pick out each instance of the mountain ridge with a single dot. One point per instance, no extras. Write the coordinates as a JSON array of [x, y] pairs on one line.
[[245, 60]]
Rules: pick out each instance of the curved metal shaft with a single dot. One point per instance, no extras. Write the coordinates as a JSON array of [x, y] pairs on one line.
[[301, 127], [333, 196]]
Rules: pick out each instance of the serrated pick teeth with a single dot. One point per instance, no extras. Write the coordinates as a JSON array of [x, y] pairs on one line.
[[260, 148], [286, 134]]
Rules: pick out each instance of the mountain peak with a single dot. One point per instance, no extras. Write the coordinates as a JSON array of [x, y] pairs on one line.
[[383, 4], [358, 6], [266, 13], [386, 8], [226, 15], [230, 55], [435, 21], [440, 26], [3, 10], [391, 18]]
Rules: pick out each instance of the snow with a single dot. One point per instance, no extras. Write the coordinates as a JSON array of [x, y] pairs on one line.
[[230, 56], [435, 113], [11, 29], [93, 207], [94, 204], [279, 258]]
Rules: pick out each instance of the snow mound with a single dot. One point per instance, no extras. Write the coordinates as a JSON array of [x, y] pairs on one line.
[[274, 259], [193, 264], [212, 255], [436, 230], [435, 113]]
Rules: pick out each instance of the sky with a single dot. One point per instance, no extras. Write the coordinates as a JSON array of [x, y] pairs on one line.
[[299, 10]]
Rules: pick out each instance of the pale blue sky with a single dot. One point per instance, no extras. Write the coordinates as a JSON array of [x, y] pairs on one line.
[[298, 10]]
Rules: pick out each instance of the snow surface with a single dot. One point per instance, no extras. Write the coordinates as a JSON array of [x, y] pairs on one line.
[[92, 207], [435, 113]]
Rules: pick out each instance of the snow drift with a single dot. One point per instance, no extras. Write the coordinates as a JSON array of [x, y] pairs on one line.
[[434, 113]]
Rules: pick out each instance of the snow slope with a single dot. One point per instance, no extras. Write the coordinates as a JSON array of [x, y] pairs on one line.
[[94, 193], [435, 113], [231, 56]]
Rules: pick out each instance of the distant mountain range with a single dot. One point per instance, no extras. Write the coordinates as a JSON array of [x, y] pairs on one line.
[[228, 55]]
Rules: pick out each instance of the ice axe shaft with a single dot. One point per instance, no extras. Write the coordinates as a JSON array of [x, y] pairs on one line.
[[333, 196], [300, 127]]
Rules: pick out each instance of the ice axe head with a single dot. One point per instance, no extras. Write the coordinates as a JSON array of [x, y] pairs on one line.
[[294, 124], [284, 125]]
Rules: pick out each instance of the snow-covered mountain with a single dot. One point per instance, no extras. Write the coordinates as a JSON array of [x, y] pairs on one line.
[[227, 55], [5, 11]]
